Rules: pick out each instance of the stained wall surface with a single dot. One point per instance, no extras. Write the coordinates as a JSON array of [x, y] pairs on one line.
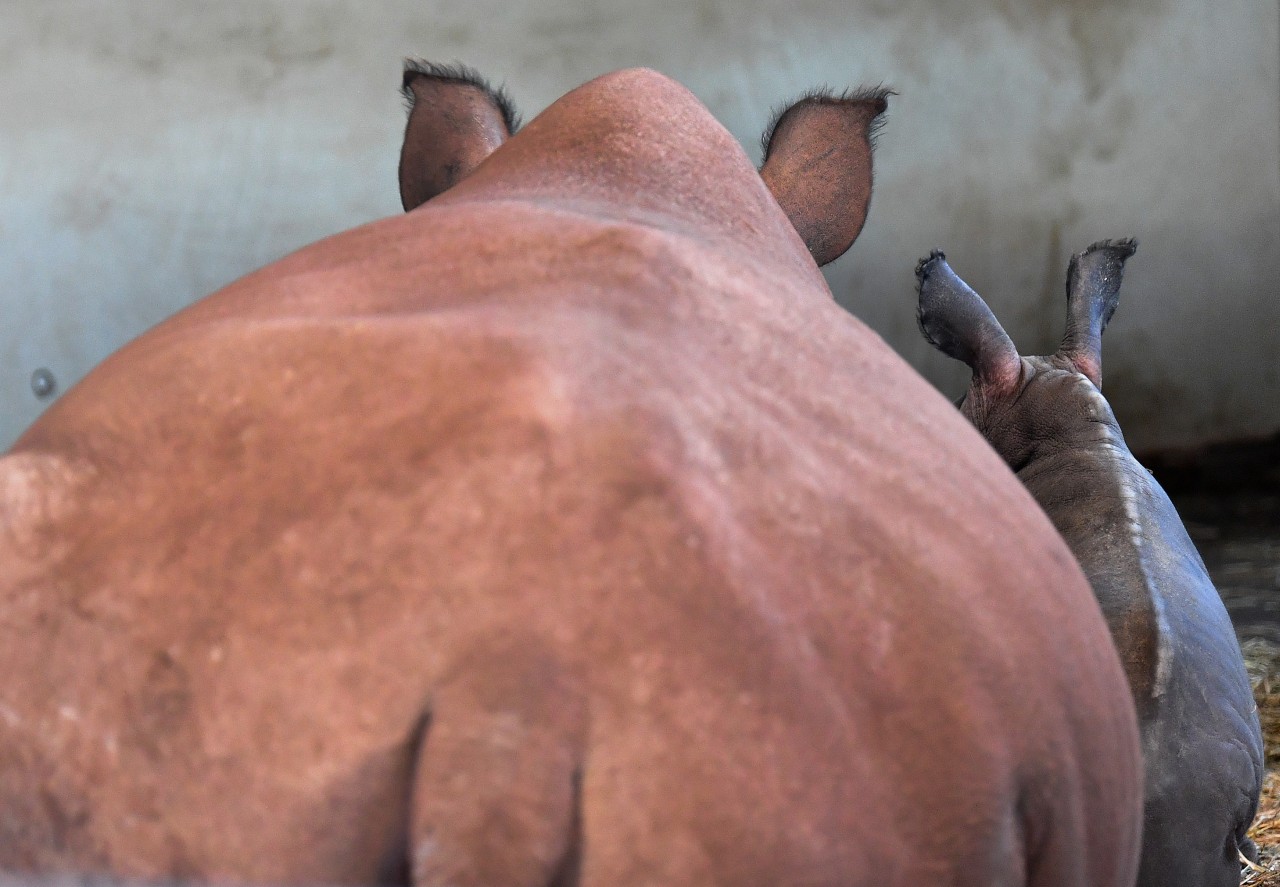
[[150, 153]]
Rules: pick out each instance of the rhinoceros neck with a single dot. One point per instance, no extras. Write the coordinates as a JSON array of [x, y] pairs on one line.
[[1116, 520]]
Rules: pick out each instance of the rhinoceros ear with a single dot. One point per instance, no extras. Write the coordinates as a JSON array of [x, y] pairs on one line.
[[1093, 291], [456, 120], [817, 164], [958, 323]]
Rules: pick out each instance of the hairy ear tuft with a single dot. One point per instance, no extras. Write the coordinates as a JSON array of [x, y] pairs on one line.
[[460, 74], [456, 120], [875, 96], [817, 164]]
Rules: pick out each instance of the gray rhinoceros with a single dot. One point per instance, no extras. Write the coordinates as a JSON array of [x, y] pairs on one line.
[[1047, 418]]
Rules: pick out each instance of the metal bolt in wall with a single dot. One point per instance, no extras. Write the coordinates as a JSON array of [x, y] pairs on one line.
[[43, 384]]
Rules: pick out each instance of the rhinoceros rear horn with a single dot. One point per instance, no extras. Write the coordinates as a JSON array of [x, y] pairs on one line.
[[817, 164], [958, 323], [1093, 291], [456, 120]]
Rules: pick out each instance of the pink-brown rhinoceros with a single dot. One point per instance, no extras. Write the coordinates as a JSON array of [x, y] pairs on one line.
[[563, 530]]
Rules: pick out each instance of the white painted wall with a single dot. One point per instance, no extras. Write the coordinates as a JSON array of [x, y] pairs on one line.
[[150, 153]]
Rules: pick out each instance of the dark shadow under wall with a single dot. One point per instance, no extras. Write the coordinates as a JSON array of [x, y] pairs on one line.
[[1229, 498]]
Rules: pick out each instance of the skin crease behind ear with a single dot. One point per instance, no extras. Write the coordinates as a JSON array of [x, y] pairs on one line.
[[818, 167], [455, 122]]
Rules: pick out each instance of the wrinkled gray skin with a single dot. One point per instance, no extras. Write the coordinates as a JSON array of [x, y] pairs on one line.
[[1047, 418]]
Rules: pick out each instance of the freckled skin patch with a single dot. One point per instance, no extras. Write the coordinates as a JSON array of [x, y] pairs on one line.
[[37, 490]]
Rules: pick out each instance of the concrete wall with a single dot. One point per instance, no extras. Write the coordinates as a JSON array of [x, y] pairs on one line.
[[150, 153]]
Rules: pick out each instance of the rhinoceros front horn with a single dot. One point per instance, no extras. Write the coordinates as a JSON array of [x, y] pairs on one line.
[[456, 120]]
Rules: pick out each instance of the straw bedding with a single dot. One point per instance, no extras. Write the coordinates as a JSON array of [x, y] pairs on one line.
[[1262, 659]]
